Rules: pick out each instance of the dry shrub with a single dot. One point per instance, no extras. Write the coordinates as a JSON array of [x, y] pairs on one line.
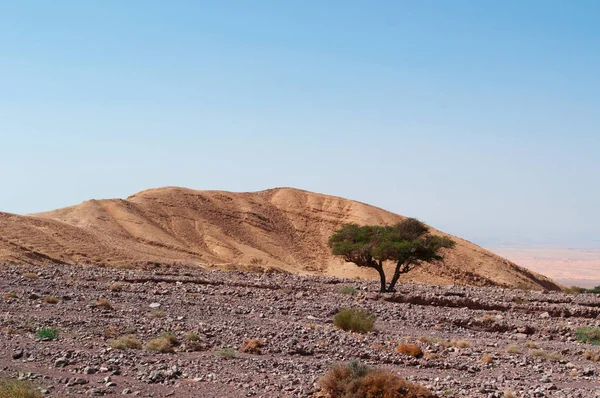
[[460, 343], [252, 346], [519, 301], [487, 318], [592, 356], [487, 358], [126, 342], [530, 344], [412, 350], [10, 295], [11, 388], [286, 290], [111, 332], [379, 347], [116, 286], [50, 300], [354, 380], [513, 349], [30, 275], [104, 303]]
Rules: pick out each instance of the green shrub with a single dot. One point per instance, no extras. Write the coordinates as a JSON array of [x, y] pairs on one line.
[[355, 320], [574, 290], [47, 334], [11, 388], [348, 290], [588, 334], [226, 353], [595, 290], [358, 381]]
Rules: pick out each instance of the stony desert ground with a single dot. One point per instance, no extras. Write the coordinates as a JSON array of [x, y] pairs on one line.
[[477, 342]]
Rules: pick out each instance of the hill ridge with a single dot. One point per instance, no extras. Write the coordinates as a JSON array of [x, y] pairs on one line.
[[281, 228]]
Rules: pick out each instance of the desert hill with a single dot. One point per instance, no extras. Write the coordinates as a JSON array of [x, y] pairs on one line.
[[284, 229]]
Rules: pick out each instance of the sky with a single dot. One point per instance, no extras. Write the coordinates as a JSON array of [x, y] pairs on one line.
[[481, 118]]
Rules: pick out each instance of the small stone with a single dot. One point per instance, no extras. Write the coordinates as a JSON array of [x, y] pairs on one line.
[[76, 382], [61, 362], [155, 305], [544, 315], [545, 379], [126, 391], [111, 384], [17, 354]]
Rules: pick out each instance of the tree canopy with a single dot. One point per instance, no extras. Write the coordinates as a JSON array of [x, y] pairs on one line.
[[407, 243]]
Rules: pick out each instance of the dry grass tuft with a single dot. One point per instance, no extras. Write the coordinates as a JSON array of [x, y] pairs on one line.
[[592, 356], [513, 349], [11, 388], [445, 343], [554, 356], [509, 394], [460, 343], [486, 358], [163, 344], [358, 381], [116, 286], [252, 346], [530, 344], [412, 350], [125, 342], [104, 304], [10, 295], [193, 342], [50, 300], [111, 332]]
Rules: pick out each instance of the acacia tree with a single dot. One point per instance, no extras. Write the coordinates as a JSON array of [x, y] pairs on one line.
[[407, 243]]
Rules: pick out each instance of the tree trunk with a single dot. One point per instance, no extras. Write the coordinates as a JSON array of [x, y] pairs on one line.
[[379, 269], [397, 272]]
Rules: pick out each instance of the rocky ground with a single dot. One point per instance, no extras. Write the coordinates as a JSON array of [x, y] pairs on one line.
[[477, 342]]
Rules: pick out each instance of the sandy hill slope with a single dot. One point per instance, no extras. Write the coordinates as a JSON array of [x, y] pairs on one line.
[[282, 228]]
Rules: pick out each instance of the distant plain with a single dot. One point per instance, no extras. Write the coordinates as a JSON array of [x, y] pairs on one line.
[[567, 266]]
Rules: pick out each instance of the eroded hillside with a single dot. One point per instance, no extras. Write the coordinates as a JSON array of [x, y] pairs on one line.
[[280, 228]]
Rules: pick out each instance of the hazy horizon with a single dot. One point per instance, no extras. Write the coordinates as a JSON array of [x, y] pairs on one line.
[[481, 119]]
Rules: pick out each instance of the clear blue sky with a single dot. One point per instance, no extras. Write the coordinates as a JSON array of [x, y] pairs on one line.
[[481, 118]]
